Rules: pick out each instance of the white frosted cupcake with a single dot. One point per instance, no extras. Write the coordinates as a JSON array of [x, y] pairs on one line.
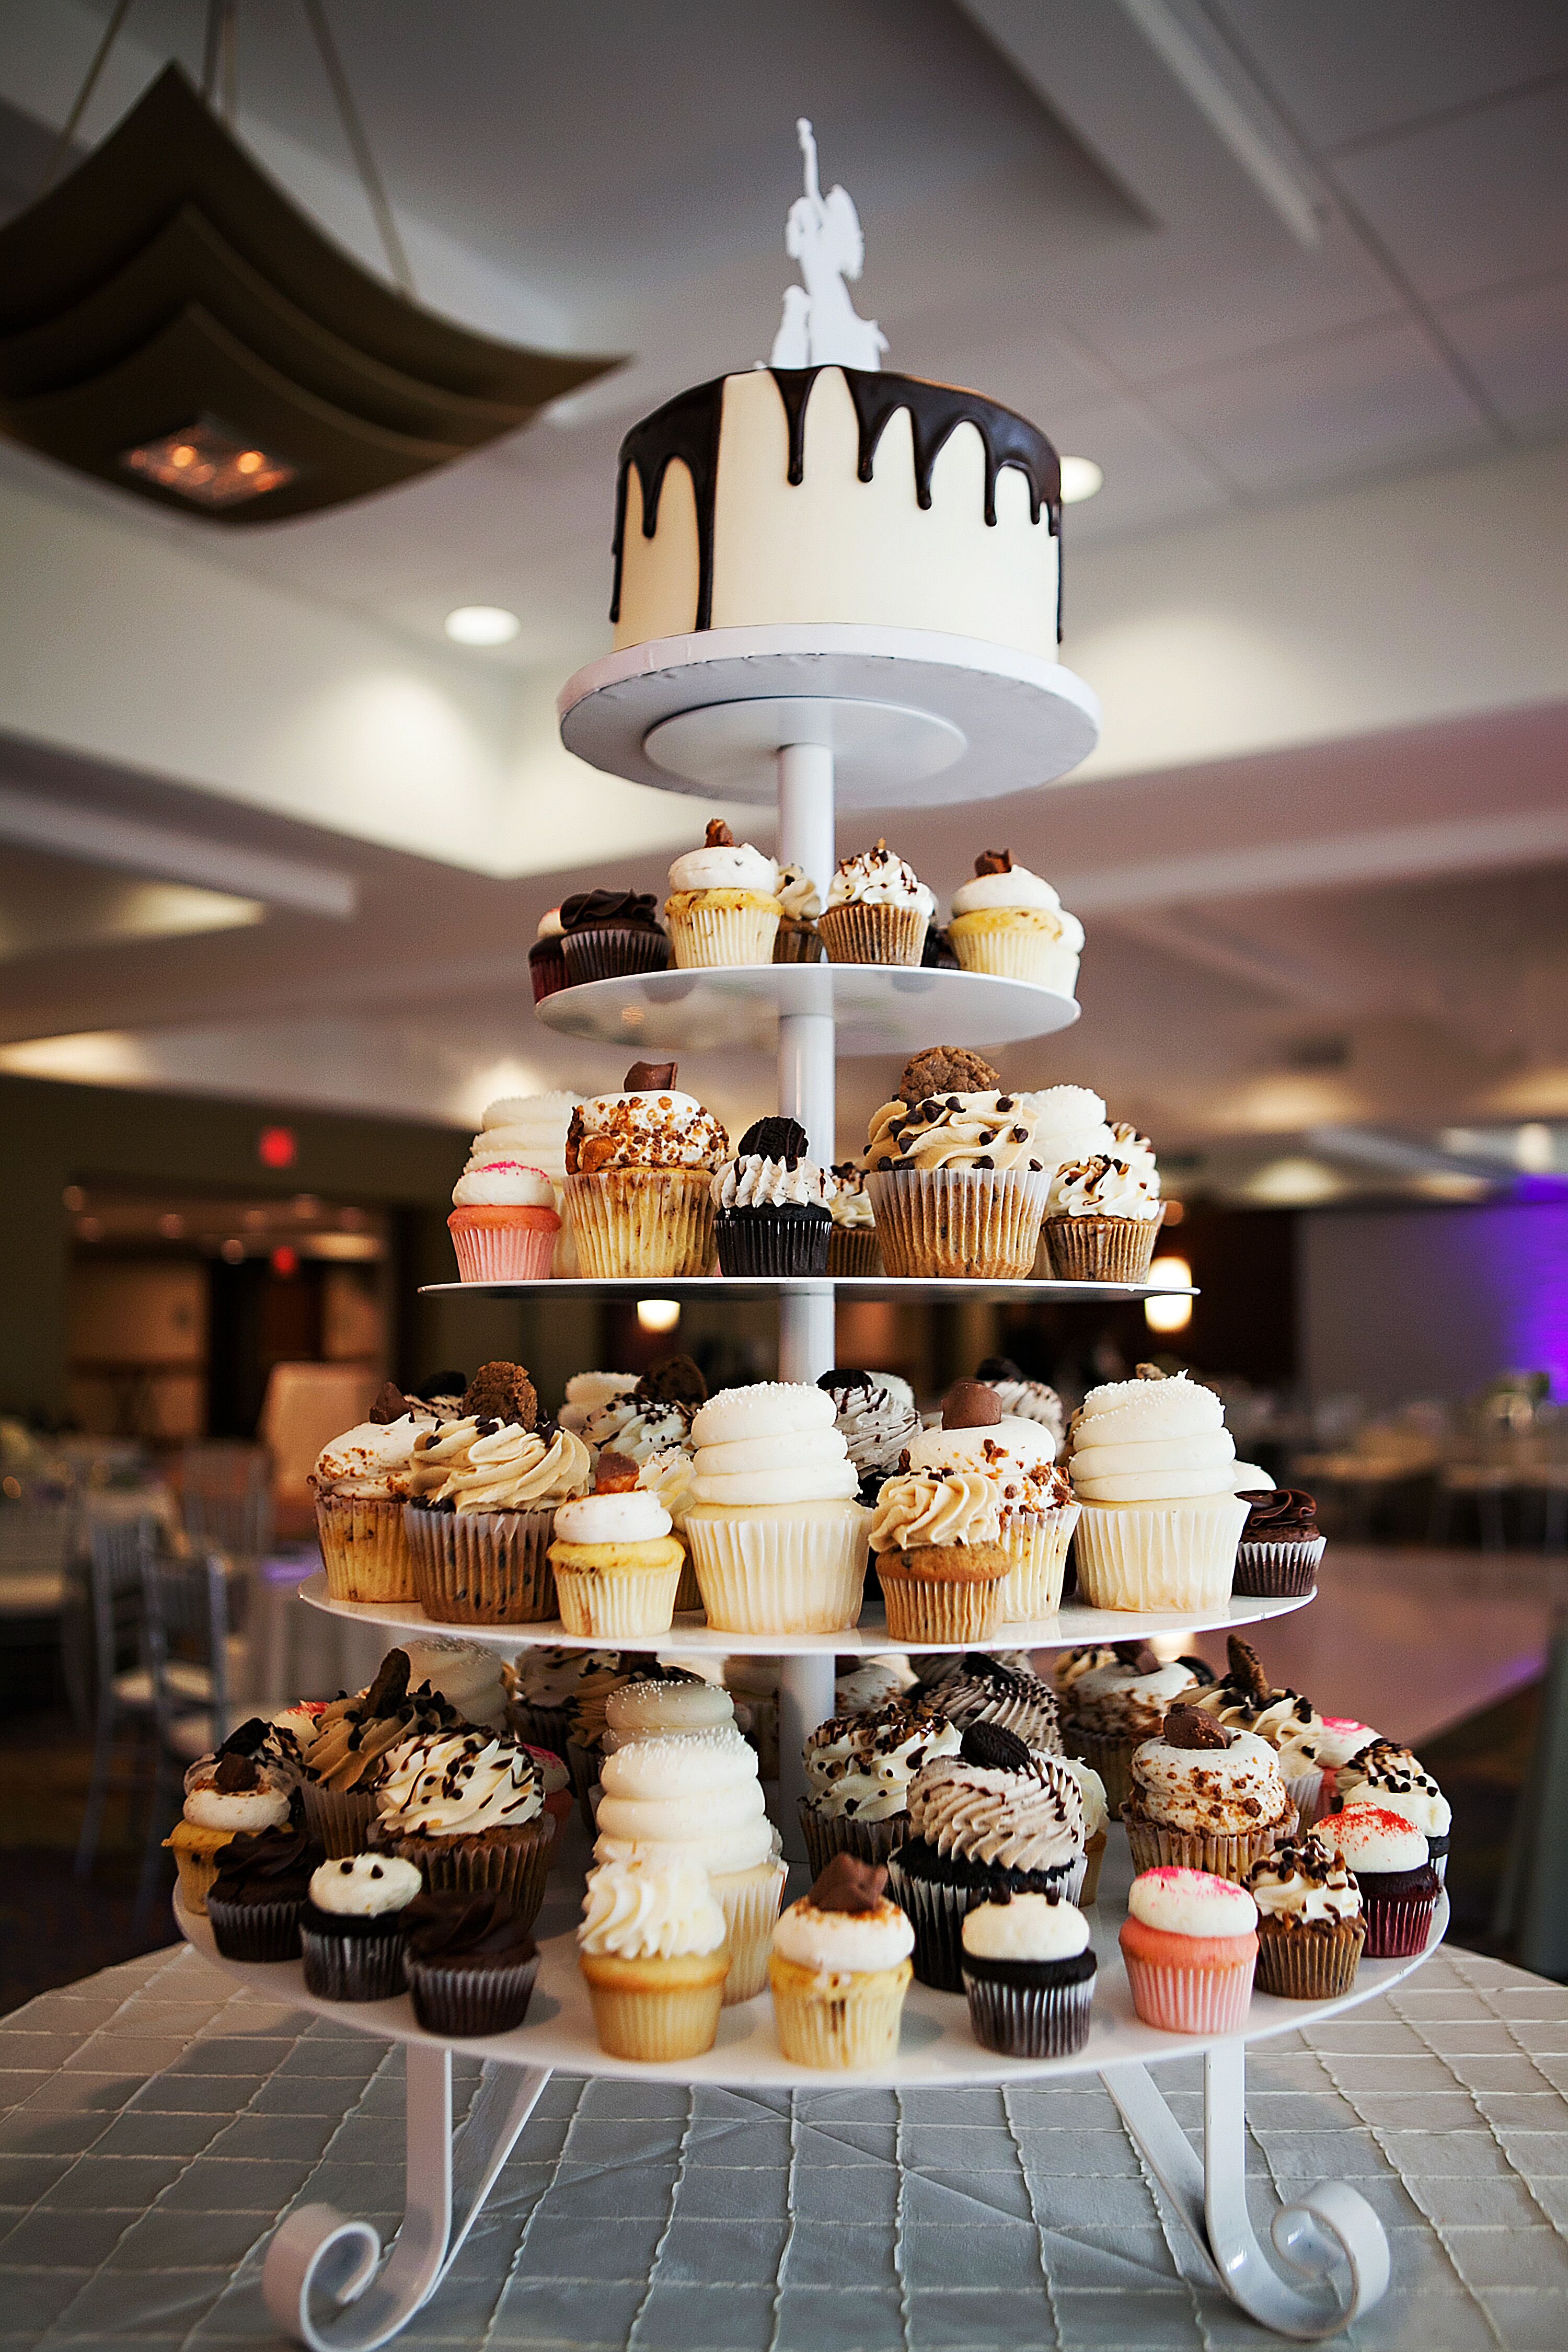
[[653, 1950], [878, 909], [358, 1483], [530, 1131], [776, 1533], [723, 905], [840, 1968], [1010, 922], [1152, 1463], [618, 1564], [1035, 1508], [639, 1170], [588, 1393], [1102, 1219]]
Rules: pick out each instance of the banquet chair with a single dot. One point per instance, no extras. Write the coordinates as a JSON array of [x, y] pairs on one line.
[[226, 1500], [123, 1695], [37, 1549]]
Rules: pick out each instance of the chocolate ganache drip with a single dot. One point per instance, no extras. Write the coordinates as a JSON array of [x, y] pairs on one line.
[[688, 427]]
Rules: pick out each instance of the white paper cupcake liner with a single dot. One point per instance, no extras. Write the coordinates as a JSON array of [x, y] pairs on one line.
[[1158, 1555], [1015, 951], [750, 1901], [760, 1573], [704, 936], [1035, 1542], [636, 1222], [608, 1605]]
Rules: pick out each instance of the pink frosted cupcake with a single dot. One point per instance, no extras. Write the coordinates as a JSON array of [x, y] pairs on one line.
[[1189, 1944], [504, 1220], [556, 1783]]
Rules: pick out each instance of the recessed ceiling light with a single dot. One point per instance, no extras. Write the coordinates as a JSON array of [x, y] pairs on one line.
[[482, 624], [1081, 478]]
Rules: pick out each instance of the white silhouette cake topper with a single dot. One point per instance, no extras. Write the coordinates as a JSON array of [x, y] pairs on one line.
[[821, 327]]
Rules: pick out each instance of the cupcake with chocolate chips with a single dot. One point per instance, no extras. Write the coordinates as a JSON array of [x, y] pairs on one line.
[[771, 1204], [1280, 1546], [858, 1772], [471, 1963], [853, 1248], [1028, 1972], [1310, 1929], [468, 1812], [342, 1763], [878, 909], [351, 1929], [957, 1174], [485, 1491]]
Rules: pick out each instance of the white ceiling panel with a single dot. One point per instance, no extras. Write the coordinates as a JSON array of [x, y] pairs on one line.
[[1149, 477], [1517, 342]]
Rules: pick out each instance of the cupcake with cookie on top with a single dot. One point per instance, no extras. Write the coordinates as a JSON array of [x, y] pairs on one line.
[[1009, 921], [639, 1175], [618, 1564], [840, 1968], [484, 1492], [773, 1203], [956, 1172]]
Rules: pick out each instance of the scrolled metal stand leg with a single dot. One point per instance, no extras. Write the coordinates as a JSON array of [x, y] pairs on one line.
[[320, 2252], [1331, 2239]]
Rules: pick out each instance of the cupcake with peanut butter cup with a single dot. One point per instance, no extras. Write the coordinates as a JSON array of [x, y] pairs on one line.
[[640, 1178], [1204, 1798], [723, 905], [607, 933], [468, 1810], [618, 1564], [485, 1490], [1010, 922], [878, 909], [956, 1174], [840, 1968], [773, 1204]]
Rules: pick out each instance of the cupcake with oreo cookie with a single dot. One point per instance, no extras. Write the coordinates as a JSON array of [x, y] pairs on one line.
[[1028, 1972], [876, 1422], [771, 1204], [351, 1929], [956, 1172]]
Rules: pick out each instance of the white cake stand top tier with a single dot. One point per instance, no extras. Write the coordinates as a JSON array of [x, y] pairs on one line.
[[876, 1008]]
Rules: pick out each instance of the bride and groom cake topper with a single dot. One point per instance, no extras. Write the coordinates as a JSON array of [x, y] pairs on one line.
[[820, 326]]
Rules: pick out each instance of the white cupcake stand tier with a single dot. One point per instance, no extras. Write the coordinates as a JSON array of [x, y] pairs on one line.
[[888, 718]]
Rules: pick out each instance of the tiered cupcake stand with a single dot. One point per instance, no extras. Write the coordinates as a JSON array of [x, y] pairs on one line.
[[885, 718]]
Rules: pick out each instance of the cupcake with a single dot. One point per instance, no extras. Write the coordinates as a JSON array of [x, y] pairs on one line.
[[359, 1486], [1189, 1944], [752, 1685], [468, 1812], [230, 1794], [858, 1767], [470, 1963], [1096, 1825], [875, 1422], [652, 1946], [605, 934], [1398, 1884], [776, 1533], [771, 1204], [505, 1221], [981, 1689], [1028, 1972], [853, 1248], [1102, 1220], [937, 955], [617, 1563], [589, 1393], [678, 1705], [1248, 1700], [877, 911], [1025, 1400], [798, 940], [956, 1178], [1114, 1704], [1036, 1503], [591, 1738], [531, 1131], [341, 1765], [350, 1928], [484, 1493], [936, 1543], [1310, 1925], [1388, 1776], [723, 905], [640, 1178], [464, 1676], [695, 1798], [1008, 921], [255, 1901], [541, 1686], [1280, 1546], [1204, 1798], [993, 1819], [655, 1413], [839, 1970], [555, 1788], [546, 963], [1151, 1464]]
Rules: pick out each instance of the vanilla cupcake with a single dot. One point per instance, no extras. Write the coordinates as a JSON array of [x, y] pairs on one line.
[[1310, 1928], [678, 1705], [358, 1485], [1008, 921], [773, 1204], [876, 1422], [1037, 1512], [1151, 1464], [776, 1533], [853, 1248], [936, 1542], [227, 1795], [1102, 1220], [617, 1562], [653, 1948], [858, 1767], [1204, 1798], [878, 909], [505, 1218], [957, 1175], [723, 905], [484, 1492], [839, 1970], [798, 940], [1390, 1777], [1113, 1705], [696, 1798], [639, 1178]]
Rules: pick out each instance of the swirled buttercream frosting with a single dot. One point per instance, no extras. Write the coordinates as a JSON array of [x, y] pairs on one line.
[[980, 1132], [1305, 1881], [1104, 1187], [1151, 1440], [1028, 1820], [457, 1786], [880, 877], [919, 1508], [505, 1469], [640, 1911], [859, 1767]]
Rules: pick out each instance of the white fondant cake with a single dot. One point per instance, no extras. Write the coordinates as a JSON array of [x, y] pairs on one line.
[[838, 493]]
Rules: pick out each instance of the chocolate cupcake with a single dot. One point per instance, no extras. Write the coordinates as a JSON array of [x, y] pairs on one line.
[[993, 1821], [546, 962], [772, 1212], [858, 1772], [978, 1688], [471, 1964], [255, 1901], [1398, 1886], [468, 1812], [1280, 1546], [1028, 1972], [1310, 1929], [351, 1929], [604, 933]]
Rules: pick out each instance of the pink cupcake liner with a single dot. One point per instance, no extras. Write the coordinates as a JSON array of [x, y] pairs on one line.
[[1191, 2000]]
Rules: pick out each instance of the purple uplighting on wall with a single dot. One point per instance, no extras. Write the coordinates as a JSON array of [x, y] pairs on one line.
[[1523, 1262]]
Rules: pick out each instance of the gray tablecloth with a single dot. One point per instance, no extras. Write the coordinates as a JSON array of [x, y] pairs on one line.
[[157, 2123]]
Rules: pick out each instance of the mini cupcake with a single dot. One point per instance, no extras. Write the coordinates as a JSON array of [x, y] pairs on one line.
[[956, 1175], [470, 1963], [776, 1533], [652, 1946], [1388, 1776], [617, 1563], [853, 1248], [526, 1131], [589, 1393], [341, 1765], [640, 1178], [468, 1812], [993, 1819], [798, 940], [1028, 1972], [936, 1543], [1025, 1399], [541, 1686], [1248, 1700], [878, 909], [1398, 1884], [1310, 1925], [696, 1798], [1114, 1704], [351, 1927], [1189, 1944], [1035, 1501], [723, 905], [256, 1902], [1008, 921], [1096, 1825], [773, 1203], [1204, 1798], [839, 1970], [484, 1493], [1151, 1464], [976, 1688], [546, 963], [504, 1221], [359, 1486], [877, 1423], [1102, 1220], [227, 1795], [1280, 1546], [605, 934], [859, 1769]]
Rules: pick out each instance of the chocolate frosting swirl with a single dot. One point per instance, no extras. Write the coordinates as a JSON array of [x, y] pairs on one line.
[[456, 1926], [268, 1866], [1283, 1516], [590, 910]]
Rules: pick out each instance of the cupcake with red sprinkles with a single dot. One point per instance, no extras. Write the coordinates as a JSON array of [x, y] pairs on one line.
[[1394, 1870], [1189, 1944]]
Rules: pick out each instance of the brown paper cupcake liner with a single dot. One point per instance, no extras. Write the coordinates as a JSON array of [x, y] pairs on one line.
[[365, 1549], [466, 2002], [958, 1224], [352, 1968], [1029, 2021], [339, 1818], [510, 1864], [256, 1931], [797, 943], [546, 970], [1155, 1847], [854, 1251], [583, 1763], [1093, 1857], [540, 1727], [1309, 1962], [1277, 1571], [937, 1910], [618, 947], [827, 1834], [632, 1223], [866, 932], [953, 1613], [1101, 1249], [483, 1568]]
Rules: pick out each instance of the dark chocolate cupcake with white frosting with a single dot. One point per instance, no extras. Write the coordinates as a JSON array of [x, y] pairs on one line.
[[351, 1929], [859, 1769], [772, 1210], [1028, 1971]]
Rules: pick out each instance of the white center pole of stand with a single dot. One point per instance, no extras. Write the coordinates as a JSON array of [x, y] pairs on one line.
[[807, 1087]]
